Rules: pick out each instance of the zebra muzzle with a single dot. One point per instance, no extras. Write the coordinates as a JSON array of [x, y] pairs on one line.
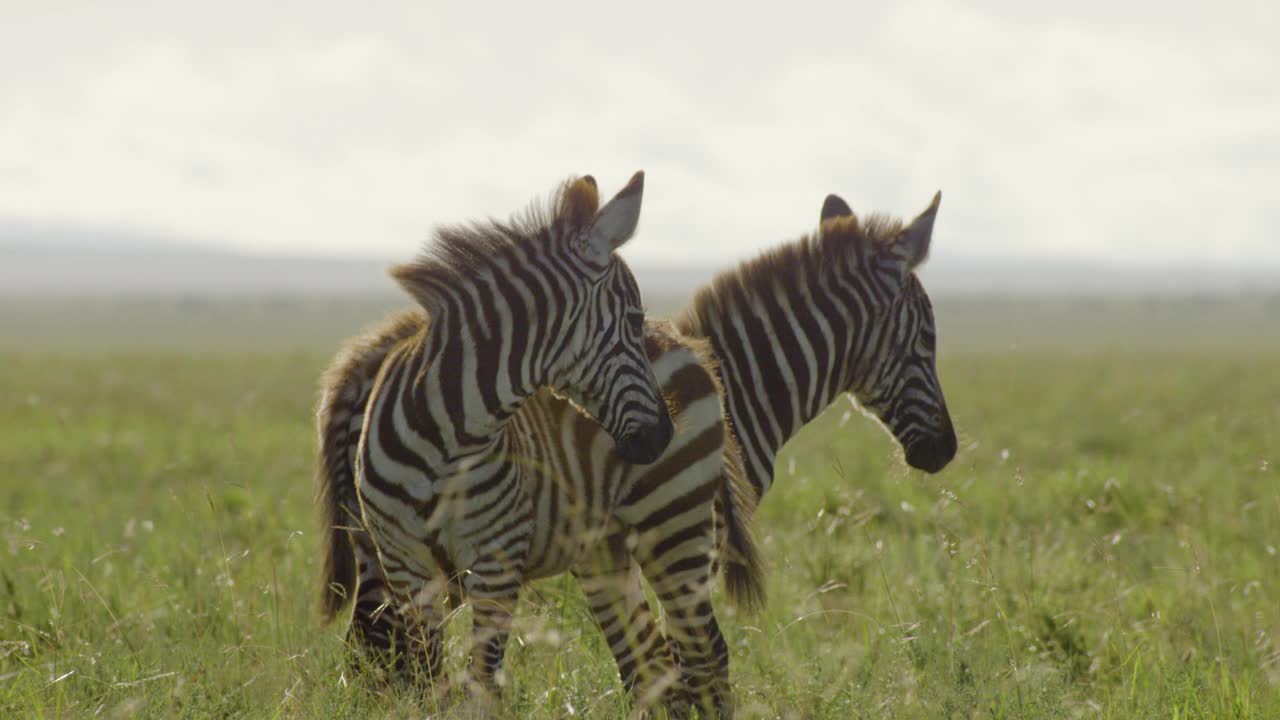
[[931, 454], [646, 445]]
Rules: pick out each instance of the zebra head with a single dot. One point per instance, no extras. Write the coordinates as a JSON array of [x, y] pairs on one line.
[[897, 380], [602, 366]]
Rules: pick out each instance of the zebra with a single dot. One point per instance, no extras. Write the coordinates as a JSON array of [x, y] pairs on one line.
[[861, 324], [470, 481], [837, 312]]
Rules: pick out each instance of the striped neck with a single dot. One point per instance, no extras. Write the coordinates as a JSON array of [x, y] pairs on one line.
[[793, 330], [784, 353], [465, 384]]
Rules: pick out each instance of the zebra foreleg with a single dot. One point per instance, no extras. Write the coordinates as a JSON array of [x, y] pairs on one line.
[[493, 591], [614, 590], [682, 578]]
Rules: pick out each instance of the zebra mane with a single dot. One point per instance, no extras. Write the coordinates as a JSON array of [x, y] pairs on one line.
[[461, 251], [843, 245]]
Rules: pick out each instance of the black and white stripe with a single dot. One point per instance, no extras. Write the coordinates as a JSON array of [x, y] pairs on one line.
[[838, 312], [474, 492], [514, 308], [612, 524]]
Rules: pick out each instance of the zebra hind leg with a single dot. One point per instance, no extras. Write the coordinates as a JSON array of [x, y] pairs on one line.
[[376, 636], [614, 590], [400, 625]]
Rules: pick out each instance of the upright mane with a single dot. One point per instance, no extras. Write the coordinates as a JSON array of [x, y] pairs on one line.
[[843, 245], [465, 250]]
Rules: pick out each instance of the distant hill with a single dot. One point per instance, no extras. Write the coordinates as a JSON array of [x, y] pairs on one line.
[[44, 260]]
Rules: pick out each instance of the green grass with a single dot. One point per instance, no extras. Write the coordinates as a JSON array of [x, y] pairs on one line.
[[1106, 544]]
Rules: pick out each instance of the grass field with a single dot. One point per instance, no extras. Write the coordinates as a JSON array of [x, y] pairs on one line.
[[1106, 543]]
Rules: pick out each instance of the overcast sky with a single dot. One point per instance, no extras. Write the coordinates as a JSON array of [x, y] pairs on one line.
[[1124, 131]]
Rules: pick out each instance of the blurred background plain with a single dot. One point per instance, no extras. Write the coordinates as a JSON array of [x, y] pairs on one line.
[[203, 154]]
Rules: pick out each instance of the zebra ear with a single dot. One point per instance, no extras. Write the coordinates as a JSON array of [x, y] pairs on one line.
[[616, 222], [912, 244], [579, 202], [833, 207]]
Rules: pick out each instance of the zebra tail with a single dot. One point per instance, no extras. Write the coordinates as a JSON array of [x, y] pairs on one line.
[[345, 389], [744, 569], [336, 495]]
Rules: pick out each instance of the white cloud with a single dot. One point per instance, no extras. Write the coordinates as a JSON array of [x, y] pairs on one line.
[[1106, 132]]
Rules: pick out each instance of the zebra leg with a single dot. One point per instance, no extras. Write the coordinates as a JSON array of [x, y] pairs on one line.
[[681, 575], [493, 588], [612, 583], [415, 618], [378, 630]]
